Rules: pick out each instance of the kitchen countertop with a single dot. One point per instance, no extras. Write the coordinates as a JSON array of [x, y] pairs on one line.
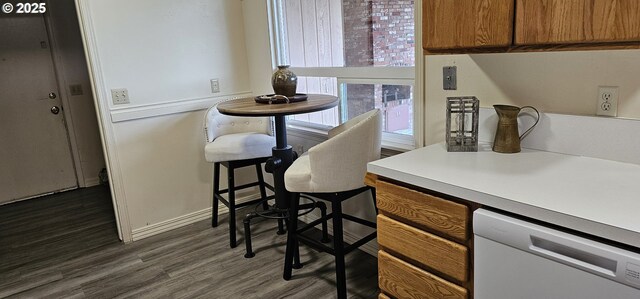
[[594, 196]]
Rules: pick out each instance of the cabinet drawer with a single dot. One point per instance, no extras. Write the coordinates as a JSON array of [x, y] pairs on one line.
[[434, 213], [540, 22], [457, 24], [403, 280], [437, 253]]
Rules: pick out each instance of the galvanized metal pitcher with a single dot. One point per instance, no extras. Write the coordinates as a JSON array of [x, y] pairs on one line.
[[507, 138]]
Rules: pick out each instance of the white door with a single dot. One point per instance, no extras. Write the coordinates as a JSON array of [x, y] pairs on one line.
[[35, 157]]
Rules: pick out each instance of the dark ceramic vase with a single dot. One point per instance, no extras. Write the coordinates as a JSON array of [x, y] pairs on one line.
[[284, 81]]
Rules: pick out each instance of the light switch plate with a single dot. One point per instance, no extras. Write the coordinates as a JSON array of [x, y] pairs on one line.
[[120, 96], [449, 78], [215, 85]]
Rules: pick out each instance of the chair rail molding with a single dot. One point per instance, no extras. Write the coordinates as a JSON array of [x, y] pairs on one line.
[[132, 112]]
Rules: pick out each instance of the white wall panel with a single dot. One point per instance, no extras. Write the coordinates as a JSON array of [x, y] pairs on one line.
[[164, 172], [164, 52], [167, 50]]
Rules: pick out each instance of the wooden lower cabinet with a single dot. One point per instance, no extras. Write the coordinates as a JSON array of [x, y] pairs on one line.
[[423, 210], [442, 255], [426, 249], [403, 280]]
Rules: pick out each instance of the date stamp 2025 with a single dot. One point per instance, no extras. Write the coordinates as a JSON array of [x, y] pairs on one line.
[[24, 8]]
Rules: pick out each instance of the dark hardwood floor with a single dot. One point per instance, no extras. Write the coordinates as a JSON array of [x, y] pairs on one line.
[[66, 246]]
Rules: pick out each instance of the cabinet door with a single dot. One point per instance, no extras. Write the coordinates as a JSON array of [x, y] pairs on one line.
[[404, 280], [423, 210], [423, 248], [459, 24], [540, 22]]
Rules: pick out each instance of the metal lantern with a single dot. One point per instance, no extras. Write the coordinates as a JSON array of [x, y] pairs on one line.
[[462, 124]]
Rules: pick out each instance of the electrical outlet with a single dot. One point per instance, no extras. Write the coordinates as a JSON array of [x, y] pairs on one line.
[[607, 101], [120, 96], [215, 86]]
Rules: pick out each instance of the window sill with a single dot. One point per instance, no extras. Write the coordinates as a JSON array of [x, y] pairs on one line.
[[319, 133]]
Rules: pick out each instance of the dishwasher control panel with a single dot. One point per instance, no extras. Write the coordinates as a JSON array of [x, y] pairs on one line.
[[632, 273]]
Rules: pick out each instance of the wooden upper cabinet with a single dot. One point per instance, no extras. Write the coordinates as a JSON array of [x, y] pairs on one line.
[[460, 24], [546, 22]]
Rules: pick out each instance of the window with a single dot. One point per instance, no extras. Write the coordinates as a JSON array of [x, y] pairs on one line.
[[393, 99], [362, 51]]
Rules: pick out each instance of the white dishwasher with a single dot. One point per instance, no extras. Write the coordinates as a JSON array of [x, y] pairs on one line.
[[516, 259]]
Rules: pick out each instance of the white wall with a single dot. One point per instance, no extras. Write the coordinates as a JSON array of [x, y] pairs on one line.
[[259, 51], [559, 82], [164, 52], [80, 110], [168, 50]]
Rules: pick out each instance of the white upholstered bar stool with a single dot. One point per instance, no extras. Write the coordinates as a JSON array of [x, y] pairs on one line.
[[236, 142], [334, 171]]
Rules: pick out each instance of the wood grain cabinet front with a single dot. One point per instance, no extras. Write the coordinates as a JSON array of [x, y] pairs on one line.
[[548, 22], [425, 245], [423, 248], [477, 26], [403, 280], [459, 24], [423, 210]]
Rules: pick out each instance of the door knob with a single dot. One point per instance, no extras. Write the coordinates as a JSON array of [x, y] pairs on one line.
[[52, 95], [55, 109]]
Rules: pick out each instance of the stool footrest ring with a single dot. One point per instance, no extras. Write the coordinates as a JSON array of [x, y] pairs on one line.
[[277, 213]]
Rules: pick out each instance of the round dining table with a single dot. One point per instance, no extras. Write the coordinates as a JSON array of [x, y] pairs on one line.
[[282, 154]]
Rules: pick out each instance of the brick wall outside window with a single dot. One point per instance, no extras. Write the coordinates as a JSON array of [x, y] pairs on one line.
[[377, 33]]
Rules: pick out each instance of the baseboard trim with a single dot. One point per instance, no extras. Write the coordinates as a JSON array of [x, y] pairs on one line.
[[167, 225], [90, 182], [144, 232]]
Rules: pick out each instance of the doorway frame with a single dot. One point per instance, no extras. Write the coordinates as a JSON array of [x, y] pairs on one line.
[[105, 126]]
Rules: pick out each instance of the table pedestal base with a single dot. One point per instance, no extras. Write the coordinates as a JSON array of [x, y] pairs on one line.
[[282, 158]]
